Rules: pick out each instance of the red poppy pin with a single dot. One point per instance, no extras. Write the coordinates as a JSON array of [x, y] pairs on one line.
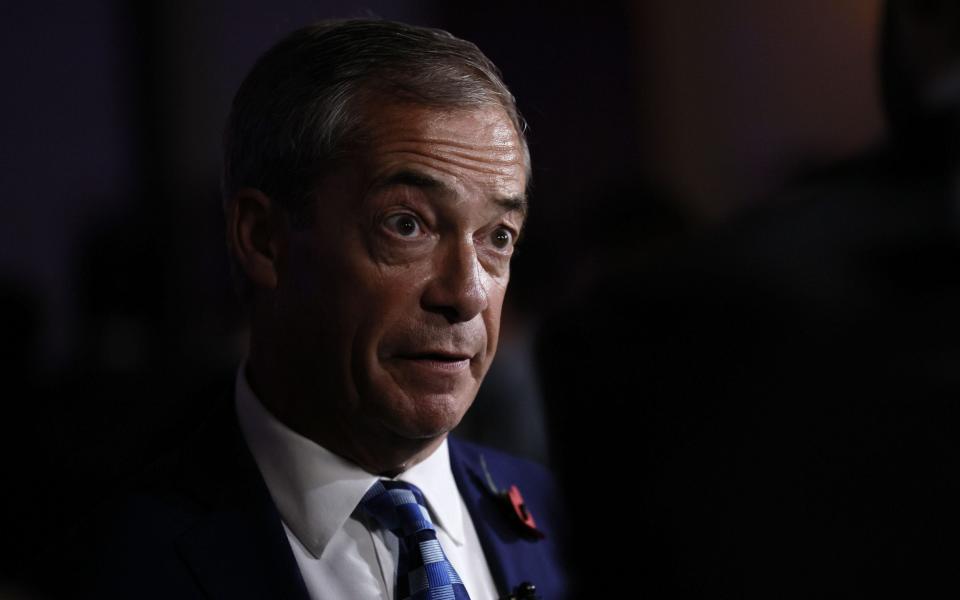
[[512, 500]]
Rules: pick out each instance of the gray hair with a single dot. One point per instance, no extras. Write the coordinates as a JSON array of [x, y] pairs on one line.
[[302, 101]]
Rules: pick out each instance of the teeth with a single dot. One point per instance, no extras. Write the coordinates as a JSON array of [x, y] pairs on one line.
[[437, 357]]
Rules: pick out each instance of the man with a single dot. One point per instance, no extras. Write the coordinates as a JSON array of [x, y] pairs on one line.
[[375, 178]]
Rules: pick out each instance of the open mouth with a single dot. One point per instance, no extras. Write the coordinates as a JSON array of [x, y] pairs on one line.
[[440, 357], [439, 361]]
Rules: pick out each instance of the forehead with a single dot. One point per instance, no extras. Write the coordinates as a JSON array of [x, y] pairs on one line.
[[464, 148]]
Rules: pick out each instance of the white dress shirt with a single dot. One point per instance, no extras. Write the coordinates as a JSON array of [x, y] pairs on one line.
[[317, 492]]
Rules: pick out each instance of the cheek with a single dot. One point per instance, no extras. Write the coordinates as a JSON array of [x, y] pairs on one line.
[[328, 298], [371, 311], [387, 308]]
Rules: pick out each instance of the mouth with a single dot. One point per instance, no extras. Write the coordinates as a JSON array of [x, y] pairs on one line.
[[440, 356], [439, 360]]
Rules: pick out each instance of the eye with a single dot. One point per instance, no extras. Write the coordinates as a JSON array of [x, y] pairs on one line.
[[501, 237], [404, 225]]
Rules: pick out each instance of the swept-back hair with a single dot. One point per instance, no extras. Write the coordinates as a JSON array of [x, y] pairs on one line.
[[302, 104]]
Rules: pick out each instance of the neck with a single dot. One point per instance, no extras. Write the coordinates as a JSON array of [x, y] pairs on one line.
[[393, 468]]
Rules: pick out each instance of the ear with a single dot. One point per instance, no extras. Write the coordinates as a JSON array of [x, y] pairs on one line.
[[256, 233]]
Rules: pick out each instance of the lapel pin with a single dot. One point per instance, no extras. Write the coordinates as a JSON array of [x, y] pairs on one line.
[[512, 501]]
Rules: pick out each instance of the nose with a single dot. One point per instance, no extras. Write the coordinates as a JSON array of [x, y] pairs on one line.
[[457, 289]]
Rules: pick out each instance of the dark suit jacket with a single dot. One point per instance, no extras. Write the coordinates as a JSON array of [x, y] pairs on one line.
[[202, 524]]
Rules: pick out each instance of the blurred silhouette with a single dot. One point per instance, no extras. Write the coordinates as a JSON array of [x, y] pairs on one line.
[[777, 399]]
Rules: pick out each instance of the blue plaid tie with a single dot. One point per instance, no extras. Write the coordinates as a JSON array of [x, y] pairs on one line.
[[423, 571]]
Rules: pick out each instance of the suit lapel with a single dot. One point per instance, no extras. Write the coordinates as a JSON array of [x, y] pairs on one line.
[[242, 553], [513, 558], [237, 547]]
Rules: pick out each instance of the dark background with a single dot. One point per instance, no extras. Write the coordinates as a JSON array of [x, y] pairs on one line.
[[649, 122]]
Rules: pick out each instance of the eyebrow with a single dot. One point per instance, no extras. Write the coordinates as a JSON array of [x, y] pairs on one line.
[[425, 182]]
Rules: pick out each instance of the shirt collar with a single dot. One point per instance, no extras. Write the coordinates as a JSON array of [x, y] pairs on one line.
[[435, 479], [316, 491]]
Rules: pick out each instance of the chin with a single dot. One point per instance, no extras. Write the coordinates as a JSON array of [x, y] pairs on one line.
[[416, 406], [427, 416]]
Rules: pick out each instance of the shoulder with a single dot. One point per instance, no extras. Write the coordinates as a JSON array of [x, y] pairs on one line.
[[140, 529]]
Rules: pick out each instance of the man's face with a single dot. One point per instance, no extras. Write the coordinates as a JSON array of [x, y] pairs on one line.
[[389, 300]]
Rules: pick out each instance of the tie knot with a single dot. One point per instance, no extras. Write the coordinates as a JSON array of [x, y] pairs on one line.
[[398, 506]]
